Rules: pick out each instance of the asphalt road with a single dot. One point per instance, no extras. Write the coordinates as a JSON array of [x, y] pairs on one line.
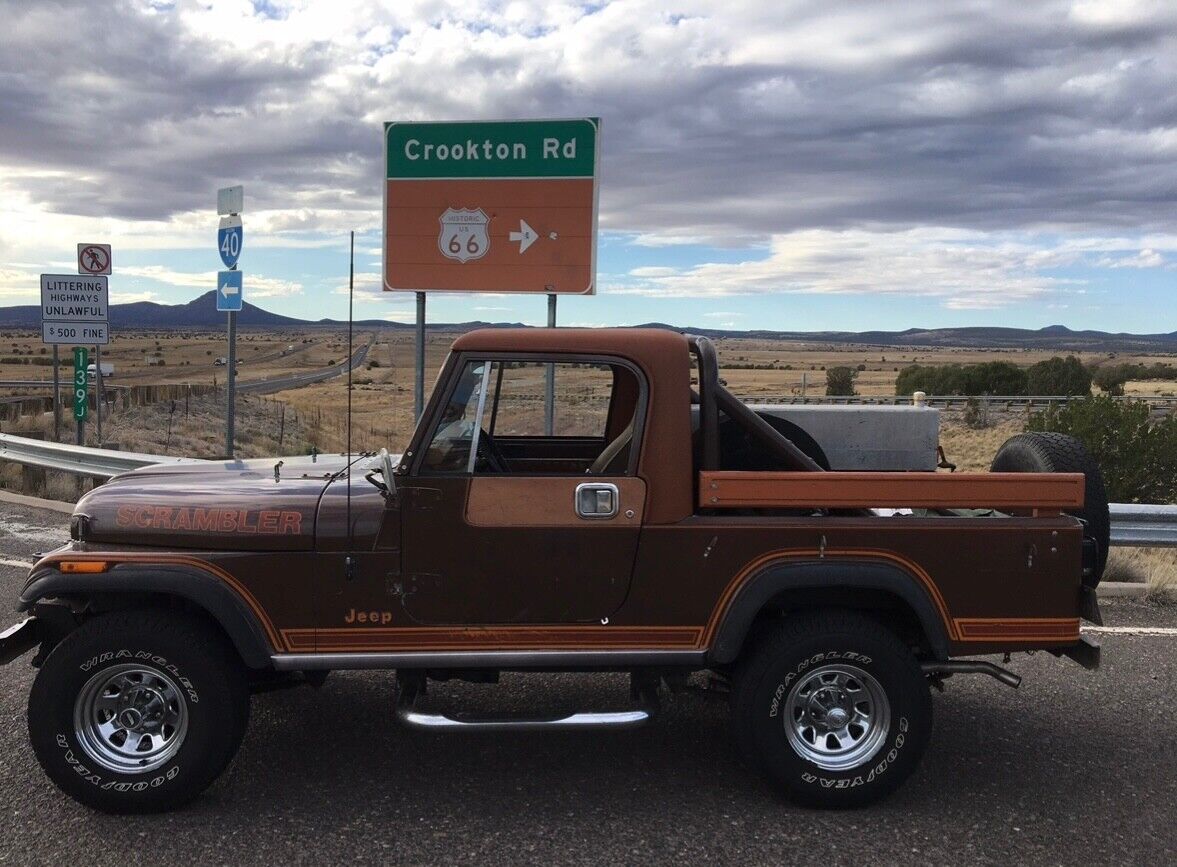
[[1074, 767], [297, 380]]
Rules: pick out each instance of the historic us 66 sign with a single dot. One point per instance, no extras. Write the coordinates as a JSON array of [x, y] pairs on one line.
[[491, 206]]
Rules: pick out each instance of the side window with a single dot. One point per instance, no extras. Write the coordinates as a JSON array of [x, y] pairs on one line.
[[580, 407], [449, 449], [498, 411]]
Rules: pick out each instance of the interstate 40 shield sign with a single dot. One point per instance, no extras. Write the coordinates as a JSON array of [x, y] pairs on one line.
[[491, 206]]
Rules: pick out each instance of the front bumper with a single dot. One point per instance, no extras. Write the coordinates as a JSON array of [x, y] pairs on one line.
[[17, 640]]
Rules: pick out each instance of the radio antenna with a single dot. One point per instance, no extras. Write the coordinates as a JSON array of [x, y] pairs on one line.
[[351, 286]]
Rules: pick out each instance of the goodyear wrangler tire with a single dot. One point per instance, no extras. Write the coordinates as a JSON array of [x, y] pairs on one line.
[[138, 711], [833, 708], [1048, 452]]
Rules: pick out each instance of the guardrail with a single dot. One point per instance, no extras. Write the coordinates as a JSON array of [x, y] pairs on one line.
[[1133, 525], [1144, 526], [1006, 401], [79, 460]]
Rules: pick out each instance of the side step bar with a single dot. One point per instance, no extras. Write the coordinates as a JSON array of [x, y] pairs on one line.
[[408, 691]]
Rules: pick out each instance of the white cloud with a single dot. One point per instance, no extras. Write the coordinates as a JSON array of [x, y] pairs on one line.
[[963, 270], [1146, 258], [256, 285], [132, 297], [955, 151]]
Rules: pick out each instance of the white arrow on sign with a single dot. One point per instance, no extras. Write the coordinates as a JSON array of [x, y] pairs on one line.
[[526, 236], [228, 289]]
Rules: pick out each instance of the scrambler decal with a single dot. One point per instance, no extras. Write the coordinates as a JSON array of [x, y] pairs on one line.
[[247, 522]]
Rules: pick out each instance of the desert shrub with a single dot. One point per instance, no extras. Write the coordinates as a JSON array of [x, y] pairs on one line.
[[1111, 377], [991, 377], [840, 381], [1058, 376], [976, 414], [1138, 456]]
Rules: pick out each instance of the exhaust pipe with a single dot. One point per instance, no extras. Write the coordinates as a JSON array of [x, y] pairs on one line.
[[974, 667]]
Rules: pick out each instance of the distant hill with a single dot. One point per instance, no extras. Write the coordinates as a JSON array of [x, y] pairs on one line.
[[1053, 337], [201, 313]]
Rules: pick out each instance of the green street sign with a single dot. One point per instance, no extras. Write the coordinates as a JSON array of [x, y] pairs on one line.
[[81, 386], [492, 149]]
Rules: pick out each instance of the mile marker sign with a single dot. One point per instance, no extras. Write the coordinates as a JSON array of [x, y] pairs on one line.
[[491, 206]]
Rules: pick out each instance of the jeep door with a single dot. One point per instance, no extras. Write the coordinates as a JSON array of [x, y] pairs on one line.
[[514, 515]]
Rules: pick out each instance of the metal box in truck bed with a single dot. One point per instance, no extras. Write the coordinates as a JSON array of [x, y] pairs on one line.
[[867, 437]]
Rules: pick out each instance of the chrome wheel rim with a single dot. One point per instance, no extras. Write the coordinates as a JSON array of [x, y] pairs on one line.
[[130, 719], [837, 717]]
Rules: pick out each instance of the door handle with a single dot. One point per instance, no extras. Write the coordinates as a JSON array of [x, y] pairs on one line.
[[596, 500]]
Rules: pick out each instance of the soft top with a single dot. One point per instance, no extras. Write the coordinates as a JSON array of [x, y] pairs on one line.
[[648, 347]]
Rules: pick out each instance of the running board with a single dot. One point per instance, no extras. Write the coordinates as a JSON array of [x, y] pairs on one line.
[[646, 708]]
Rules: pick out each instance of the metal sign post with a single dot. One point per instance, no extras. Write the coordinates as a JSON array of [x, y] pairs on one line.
[[230, 298], [98, 393], [419, 374], [56, 396], [550, 378], [231, 385], [230, 292]]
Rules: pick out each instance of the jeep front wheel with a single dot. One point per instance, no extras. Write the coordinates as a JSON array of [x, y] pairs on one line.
[[833, 708], [138, 711]]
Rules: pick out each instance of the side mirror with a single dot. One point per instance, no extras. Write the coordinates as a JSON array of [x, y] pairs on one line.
[[388, 471]]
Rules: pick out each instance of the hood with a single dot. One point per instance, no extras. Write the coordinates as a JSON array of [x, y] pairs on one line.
[[232, 505]]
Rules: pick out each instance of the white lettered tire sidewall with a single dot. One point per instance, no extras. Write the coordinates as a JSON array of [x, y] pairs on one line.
[[783, 660], [190, 655]]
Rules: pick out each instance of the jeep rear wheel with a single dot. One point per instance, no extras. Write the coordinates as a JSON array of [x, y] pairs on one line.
[[833, 708], [138, 711]]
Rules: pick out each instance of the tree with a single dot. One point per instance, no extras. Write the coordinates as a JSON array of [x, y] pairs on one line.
[[1058, 376], [992, 377], [1111, 377], [1138, 456], [840, 381]]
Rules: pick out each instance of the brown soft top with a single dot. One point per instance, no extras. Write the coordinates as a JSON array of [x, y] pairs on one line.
[[645, 346], [664, 357]]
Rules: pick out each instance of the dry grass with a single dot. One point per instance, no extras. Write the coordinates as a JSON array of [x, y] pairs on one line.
[[170, 428], [1156, 567], [970, 449]]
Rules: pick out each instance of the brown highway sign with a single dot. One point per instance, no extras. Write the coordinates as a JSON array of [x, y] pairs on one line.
[[491, 206]]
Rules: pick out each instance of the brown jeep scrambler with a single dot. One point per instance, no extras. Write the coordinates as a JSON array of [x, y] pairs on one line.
[[662, 530]]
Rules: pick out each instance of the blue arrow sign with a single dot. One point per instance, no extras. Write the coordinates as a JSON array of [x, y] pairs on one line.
[[229, 291], [229, 237]]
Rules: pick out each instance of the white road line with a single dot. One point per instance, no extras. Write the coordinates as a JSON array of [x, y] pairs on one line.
[[23, 564], [1132, 630]]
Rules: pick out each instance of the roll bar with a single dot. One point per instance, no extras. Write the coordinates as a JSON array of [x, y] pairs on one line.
[[713, 397]]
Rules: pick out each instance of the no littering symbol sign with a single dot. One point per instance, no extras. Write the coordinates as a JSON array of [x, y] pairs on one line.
[[94, 259]]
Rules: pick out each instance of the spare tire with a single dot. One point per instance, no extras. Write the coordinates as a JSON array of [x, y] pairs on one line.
[[1059, 453]]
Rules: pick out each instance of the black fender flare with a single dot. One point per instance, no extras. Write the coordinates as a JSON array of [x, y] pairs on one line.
[[826, 574], [201, 588]]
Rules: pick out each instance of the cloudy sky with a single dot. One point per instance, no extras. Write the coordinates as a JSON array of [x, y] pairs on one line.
[[780, 164]]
